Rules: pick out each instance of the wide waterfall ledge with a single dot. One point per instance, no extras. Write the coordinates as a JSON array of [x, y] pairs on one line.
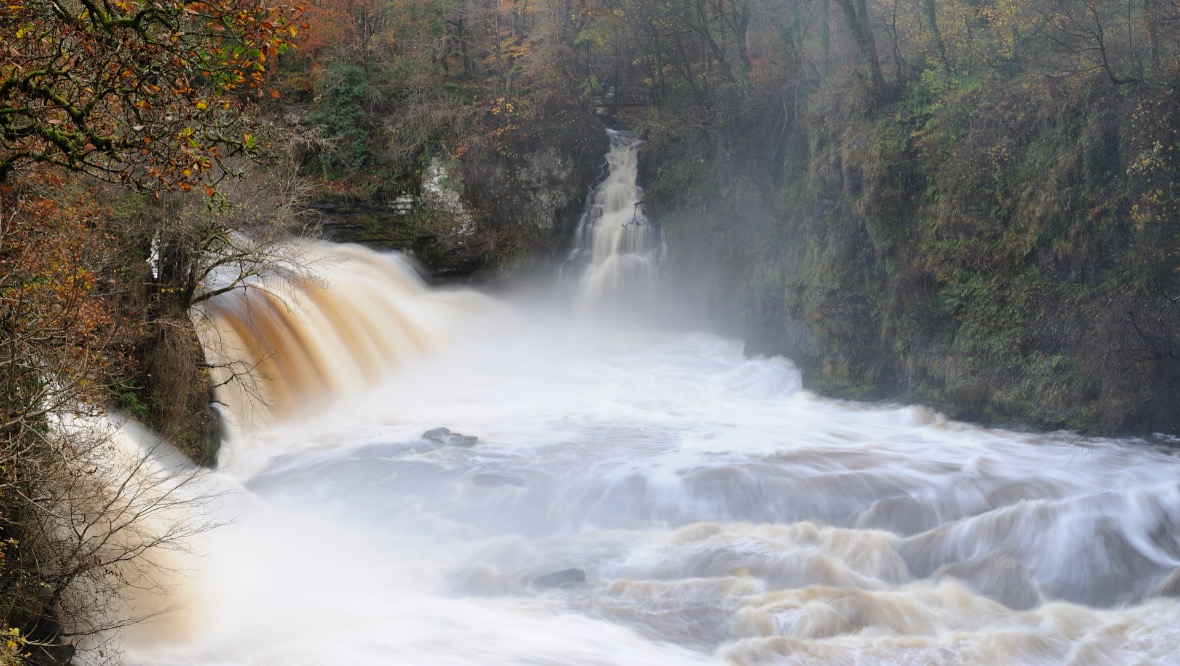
[[328, 321]]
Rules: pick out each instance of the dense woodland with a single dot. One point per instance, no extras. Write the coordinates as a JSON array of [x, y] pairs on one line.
[[965, 203]]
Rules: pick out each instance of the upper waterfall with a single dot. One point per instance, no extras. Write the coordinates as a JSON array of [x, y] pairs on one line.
[[617, 250]]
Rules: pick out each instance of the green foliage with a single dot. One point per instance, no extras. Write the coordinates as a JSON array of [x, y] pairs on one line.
[[970, 246], [890, 182], [130, 404], [342, 98], [1100, 158]]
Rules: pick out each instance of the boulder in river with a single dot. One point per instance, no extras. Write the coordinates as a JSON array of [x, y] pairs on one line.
[[560, 578], [444, 437]]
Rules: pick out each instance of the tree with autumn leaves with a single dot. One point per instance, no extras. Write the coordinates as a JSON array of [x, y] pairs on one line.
[[109, 111], [138, 92]]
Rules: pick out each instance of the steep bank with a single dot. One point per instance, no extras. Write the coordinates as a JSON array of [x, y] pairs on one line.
[[1004, 250]]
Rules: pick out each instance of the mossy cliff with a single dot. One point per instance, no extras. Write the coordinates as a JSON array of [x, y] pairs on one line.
[[1005, 251]]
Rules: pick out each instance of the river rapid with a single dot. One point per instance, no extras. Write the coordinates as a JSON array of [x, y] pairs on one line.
[[720, 514]]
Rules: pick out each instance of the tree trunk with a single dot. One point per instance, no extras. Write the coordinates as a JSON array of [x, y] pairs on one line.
[[930, 11], [1151, 25], [856, 13]]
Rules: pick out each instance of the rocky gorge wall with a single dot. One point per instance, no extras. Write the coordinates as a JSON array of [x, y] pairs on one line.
[[1006, 254]]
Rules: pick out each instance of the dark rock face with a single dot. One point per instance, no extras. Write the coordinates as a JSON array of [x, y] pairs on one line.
[[444, 437], [560, 578], [496, 479]]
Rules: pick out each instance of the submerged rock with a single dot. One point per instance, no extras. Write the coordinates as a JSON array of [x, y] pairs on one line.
[[444, 437], [496, 479], [560, 578]]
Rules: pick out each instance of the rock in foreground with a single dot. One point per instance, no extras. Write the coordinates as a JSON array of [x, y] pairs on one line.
[[560, 578], [444, 437]]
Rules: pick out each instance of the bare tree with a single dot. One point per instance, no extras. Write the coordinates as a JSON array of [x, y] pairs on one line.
[[1106, 34], [92, 515], [103, 511]]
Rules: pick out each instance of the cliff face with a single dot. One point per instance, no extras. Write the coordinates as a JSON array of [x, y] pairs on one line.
[[1003, 251], [492, 209]]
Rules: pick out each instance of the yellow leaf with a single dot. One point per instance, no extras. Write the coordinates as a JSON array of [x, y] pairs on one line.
[[201, 106]]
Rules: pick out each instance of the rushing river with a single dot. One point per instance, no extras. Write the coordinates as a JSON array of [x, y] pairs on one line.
[[719, 512]]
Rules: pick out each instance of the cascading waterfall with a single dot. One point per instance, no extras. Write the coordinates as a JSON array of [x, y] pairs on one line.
[[287, 340], [617, 250], [720, 513]]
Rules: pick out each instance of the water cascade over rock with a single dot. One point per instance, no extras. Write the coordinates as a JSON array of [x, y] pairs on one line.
[[290, 338], [617, 250]]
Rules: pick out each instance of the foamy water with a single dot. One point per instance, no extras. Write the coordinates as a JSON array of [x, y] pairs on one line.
[[721, 515]]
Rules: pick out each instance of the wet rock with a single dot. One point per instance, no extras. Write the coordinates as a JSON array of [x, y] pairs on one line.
[[545, 184], [560, 578], [496, 479], [444, 437]]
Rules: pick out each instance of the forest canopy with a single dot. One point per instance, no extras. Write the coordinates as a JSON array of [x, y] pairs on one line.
[[134, 91]]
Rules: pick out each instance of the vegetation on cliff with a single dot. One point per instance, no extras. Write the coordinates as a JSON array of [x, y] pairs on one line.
[[967, 204], [481, 98], [970, 205]]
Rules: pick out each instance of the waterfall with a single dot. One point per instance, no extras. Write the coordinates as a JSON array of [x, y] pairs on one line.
[[316, 321], [720, 513], [118, 518], [617, 250], [289, 339]]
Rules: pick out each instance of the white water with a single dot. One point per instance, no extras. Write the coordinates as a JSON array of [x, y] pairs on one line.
[[286, 341], [617, 250], [721, 514]]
